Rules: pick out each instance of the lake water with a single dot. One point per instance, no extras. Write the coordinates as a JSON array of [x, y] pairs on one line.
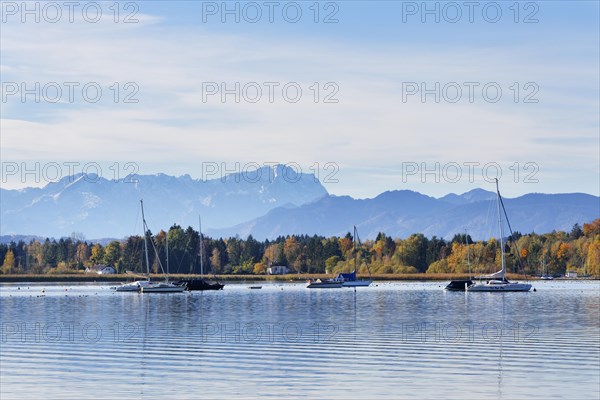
[[390, 340]]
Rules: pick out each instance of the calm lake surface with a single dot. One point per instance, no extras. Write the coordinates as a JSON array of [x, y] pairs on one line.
[[390, 340]]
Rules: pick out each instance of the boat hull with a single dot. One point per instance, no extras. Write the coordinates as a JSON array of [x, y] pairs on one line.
[[324, 285], [133, 286], [459, 285], [356, 283], [503, 287], [163, 288], [200, 284]]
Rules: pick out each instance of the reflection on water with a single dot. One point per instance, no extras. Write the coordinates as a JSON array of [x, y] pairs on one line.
[[393, 340]]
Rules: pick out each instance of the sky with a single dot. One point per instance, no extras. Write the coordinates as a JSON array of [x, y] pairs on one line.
[[437, 97]]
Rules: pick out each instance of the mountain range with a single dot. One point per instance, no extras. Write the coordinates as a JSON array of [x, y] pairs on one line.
[[100, 208], [274, 201], [402, 213]]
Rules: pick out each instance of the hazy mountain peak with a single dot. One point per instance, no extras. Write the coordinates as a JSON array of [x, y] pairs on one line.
[[471, 196]]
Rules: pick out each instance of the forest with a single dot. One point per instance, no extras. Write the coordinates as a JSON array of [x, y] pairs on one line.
[[552, 253]]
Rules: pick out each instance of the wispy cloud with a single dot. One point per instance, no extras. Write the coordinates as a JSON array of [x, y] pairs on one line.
[[371, 127]]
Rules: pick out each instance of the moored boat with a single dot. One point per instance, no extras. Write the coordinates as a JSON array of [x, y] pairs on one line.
[[349, 279], [163, 287], [499, 285], [323, 284], [497, 282], [201, 284], [135, 286], [459, 285]]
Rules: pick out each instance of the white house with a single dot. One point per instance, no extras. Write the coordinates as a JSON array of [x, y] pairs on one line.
[[278, 270], [101, 269], [571, 274]]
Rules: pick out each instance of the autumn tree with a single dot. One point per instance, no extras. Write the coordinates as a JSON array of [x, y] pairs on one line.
[[291, 250], [97, 256], [8, 266], [331, 263], [593, 258], [112, 254], [259, 268], [274, 254], [215, 260], [592, 229], [82, 254]]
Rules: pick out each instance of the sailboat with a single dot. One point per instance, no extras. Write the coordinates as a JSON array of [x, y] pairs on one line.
[[545, 272], [497, 282], [323, 284], [161, 287], [460, 285], [349, 279], [200, 284], [137, 286]]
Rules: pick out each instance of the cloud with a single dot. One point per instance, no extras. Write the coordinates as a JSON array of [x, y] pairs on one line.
[[371, 128]]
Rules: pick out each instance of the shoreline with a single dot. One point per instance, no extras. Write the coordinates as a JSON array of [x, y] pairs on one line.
[[255, 278]]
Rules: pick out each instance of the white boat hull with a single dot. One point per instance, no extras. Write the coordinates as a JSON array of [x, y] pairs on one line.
[[163, 288], [133, 286], [500, 287]]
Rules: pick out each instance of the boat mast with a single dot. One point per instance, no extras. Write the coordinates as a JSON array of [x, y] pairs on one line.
[[501, 231], [357, 241], [468, 257], [355, 249], [201, 252], [145, 241], [167, 240]]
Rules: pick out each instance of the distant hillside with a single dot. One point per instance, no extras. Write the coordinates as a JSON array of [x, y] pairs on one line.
[[19, 238], [401, 213]]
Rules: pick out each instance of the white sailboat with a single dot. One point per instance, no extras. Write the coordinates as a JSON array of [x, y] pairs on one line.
[[137, 286], [545, 272], [497, 282], [161, 287]]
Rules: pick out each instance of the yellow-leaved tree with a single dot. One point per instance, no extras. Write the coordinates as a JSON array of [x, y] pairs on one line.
[[8, 267]]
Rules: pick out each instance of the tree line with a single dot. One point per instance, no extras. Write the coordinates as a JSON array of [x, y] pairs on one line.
[[552, 253]]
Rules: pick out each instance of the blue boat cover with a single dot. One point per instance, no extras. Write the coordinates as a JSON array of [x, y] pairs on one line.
[[348, 277]]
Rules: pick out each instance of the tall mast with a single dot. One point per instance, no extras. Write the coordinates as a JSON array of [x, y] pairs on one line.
[[355, 249], [501, 231], [468, 257], [145, 241], [167, 240], [201, 250]]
